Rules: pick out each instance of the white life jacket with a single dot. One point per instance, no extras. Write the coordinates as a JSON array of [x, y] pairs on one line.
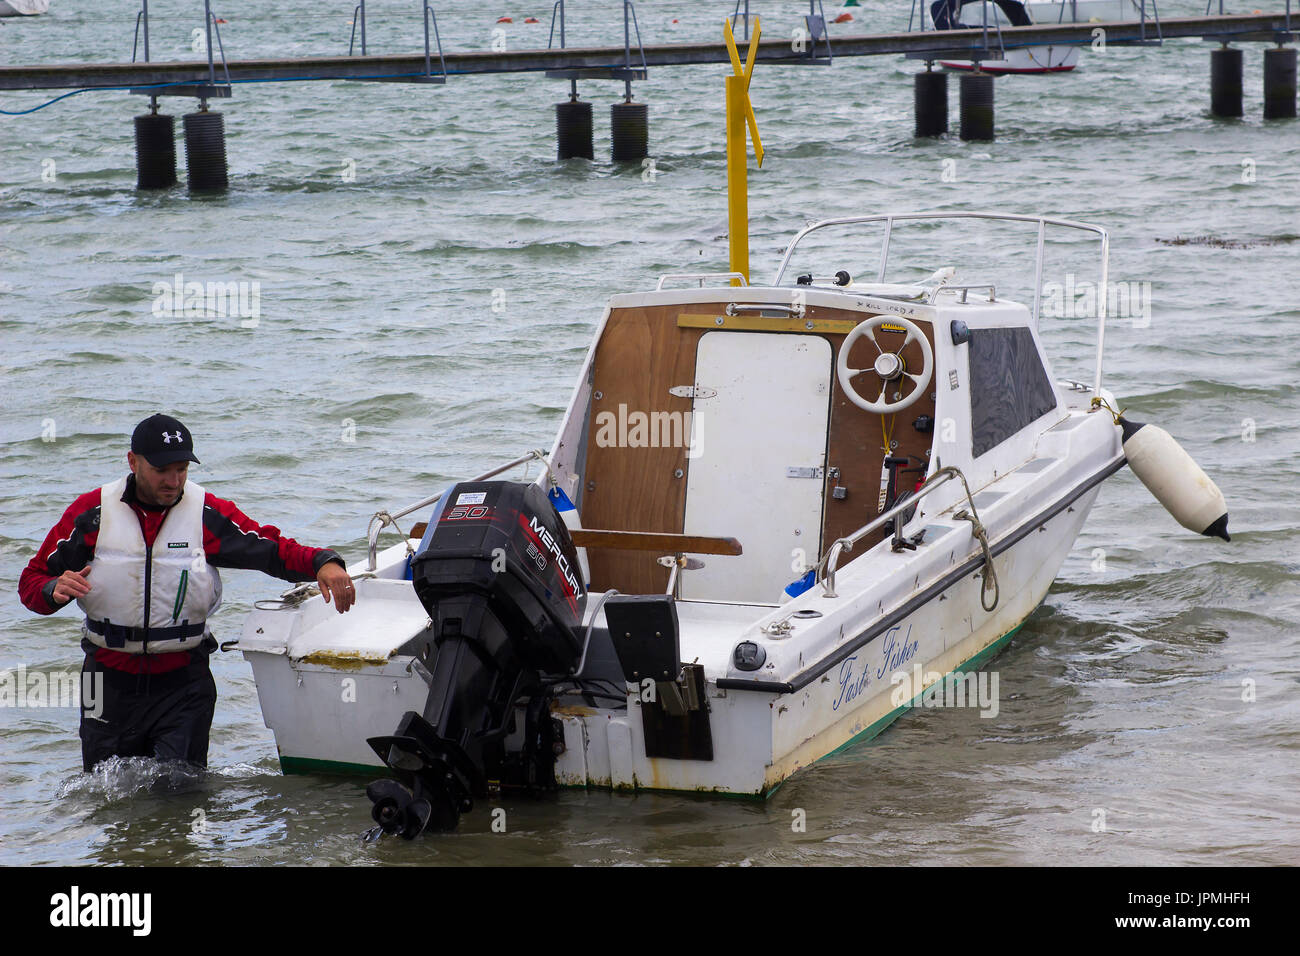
[[150, 600]]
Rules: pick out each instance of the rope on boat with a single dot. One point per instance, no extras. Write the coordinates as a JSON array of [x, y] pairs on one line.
[[385, 519], [289, 599], [989, 572], [1099, 402], [299, 593], [550, 474]]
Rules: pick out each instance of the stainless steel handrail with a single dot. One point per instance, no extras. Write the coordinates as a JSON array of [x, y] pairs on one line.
[[828, 564], [558, 6], [701, 276], [795, 311], [963, 289], [386, 518], [1041, 221], [358, 16], [144, 15], [428, 61]]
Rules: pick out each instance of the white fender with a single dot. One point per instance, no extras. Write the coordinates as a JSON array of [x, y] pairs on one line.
[[1175, 480]]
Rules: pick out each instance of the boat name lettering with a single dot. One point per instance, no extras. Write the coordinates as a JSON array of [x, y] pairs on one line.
[[896, 652], [850, 685]]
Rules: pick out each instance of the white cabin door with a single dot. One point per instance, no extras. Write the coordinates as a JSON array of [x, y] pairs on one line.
[[759, 421]]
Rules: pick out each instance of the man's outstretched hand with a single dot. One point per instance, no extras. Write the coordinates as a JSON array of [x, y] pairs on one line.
[[336, 584]]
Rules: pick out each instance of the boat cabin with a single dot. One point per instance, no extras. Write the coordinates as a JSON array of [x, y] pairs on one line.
[[718, 411]]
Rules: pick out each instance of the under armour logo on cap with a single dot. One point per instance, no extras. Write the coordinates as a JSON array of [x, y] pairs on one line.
[[161, 440]]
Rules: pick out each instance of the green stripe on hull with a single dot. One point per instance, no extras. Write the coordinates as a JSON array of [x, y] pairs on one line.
[[632, 791], [291, 765]]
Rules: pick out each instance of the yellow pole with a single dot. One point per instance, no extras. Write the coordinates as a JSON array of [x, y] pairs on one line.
[[737, 178], [740, 113]]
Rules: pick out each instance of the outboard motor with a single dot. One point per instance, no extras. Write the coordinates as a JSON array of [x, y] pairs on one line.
[[499, 576]]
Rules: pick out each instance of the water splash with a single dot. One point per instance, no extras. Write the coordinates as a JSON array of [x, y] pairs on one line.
[[121, 778]]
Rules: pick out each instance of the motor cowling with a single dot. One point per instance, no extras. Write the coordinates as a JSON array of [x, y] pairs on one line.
[[499, 575]]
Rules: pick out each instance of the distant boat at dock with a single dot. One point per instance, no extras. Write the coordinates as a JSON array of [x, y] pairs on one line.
[[947, 15]]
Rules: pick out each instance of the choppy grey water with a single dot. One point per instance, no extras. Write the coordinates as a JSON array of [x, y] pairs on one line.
[[1158, 686]]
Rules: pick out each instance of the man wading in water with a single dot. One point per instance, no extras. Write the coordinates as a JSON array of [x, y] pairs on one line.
[[140, 557]]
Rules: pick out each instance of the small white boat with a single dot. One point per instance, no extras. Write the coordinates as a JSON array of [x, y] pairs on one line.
[[998, 14], [23, 8], [773, 519]]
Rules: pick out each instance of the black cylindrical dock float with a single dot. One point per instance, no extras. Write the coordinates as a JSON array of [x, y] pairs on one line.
[[573, 130], [931, 103], [155, 151], [977, 106], [1225, 81], [629, 127], [205, 151], [1279, 83]]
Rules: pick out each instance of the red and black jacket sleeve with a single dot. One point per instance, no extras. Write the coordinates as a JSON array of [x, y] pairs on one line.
[[68, 547], [233, 540]]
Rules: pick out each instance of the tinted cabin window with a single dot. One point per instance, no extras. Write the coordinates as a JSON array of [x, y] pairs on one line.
[[1008, 386]]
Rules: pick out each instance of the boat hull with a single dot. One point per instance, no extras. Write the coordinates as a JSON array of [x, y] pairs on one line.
[[760, 740], [323, 710], [322, 715], [1029, 60]]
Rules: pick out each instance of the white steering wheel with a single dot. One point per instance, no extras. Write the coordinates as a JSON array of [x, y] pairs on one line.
[[888, 365]]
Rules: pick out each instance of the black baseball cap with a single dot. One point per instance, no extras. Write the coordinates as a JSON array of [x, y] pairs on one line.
[[162, 440]]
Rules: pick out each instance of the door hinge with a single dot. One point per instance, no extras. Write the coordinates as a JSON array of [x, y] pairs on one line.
[[692, 391]]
